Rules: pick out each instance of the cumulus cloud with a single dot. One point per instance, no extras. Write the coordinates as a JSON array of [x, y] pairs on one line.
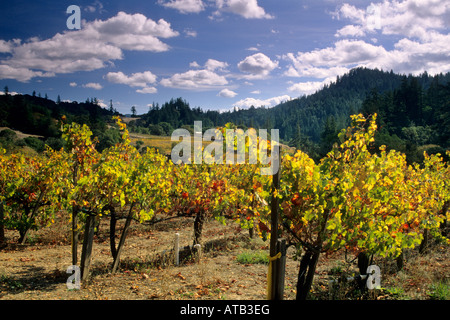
[[139, 79], [194, 64], [271, 102], [407, 56], [419, 43], [21, 74], [213, 64], [184, 6], [257, 66], [93, 85], [96, 45], [249, 9], [102, 104], [7, 46], [203, 78], [309, 87], [147, 90], [227, 93], [351, 31], [195, 80], [409, 18]]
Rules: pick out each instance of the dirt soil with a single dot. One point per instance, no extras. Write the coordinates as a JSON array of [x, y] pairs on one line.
[[37, 270]]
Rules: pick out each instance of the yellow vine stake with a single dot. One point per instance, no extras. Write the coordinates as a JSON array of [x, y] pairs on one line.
[[269, 275]]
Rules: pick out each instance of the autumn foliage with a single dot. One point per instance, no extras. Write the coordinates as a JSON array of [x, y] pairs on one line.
[[356, 198]]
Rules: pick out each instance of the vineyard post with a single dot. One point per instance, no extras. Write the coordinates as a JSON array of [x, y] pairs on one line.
[[122, 239], [74, 219], [198, 250], [281, 267], [87, 246], [273, 270], [177, 249], [2, 230]]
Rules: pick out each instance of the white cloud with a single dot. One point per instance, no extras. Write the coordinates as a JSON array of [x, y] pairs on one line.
[[97, 5], [206, 78], [13, 93], [134, 25], [73, 84], [271, 102], [410, 18], [102, 104], [430, 53], [350, 30], [139, 79], [249, 9], [96, 45], [21, 74], [227, 93], [147, 90], [195, 80], [194, 64], [213, 65], [418, 24], [258, 66], [184, 6], [413, 18], [6, 46], [93, 85], [190, 33], [348, 11], [309, 87]]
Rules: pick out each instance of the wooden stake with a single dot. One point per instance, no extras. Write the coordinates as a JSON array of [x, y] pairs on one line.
[[280, 270], [274, 230], [177, 249], [87, 247]]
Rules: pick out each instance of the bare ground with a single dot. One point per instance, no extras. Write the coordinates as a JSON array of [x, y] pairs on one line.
[[37, 270]]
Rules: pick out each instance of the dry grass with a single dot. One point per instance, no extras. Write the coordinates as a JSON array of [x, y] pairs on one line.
[[37, 270]]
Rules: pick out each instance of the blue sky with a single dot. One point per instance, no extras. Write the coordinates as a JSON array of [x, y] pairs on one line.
[[216, 54]]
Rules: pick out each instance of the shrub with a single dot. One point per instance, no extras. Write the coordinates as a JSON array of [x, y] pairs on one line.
[[35, 143]]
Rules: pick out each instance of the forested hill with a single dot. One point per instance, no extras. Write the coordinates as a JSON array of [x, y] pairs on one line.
[[309, 113], [36, 115], [414, 114], [312, 122], [39, 116]]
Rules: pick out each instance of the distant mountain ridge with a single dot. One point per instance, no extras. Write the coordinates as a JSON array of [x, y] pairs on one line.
[[307, 114]]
